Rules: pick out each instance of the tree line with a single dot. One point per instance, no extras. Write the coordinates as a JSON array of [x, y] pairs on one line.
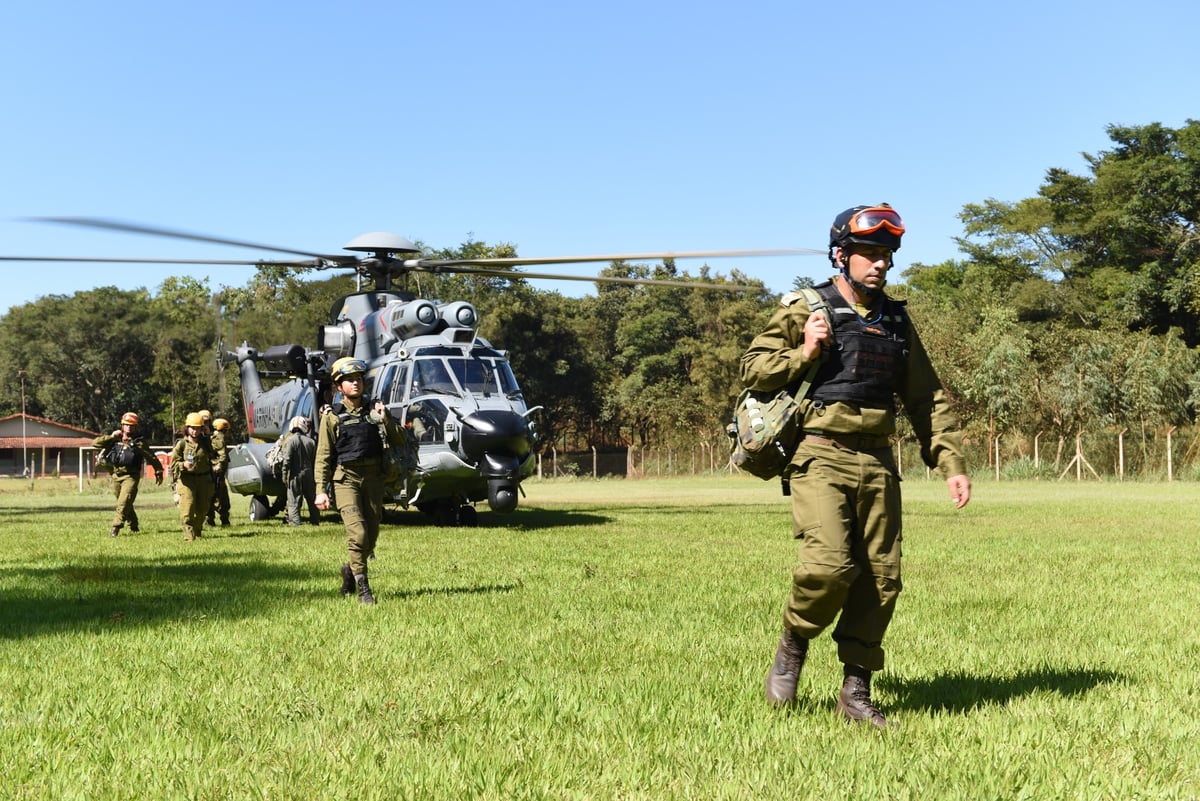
[[1076, 308]]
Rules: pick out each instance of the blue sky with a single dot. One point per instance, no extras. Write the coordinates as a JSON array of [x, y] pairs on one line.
[[562, 128]]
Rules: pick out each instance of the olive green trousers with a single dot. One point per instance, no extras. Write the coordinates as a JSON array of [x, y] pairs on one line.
[[846, 516], [359, 499], [125, 487]]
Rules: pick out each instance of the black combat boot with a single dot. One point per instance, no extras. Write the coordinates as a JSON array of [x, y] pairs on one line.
[[854, 700], [347, 580], [785, 670], [364, 590], [115, 531], [133, 524]]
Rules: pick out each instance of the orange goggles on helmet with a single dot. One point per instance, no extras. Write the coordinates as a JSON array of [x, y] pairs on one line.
[[868, 221]]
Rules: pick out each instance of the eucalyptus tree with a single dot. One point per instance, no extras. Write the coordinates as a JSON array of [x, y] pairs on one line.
[[1000, 385], [722, 324], [1155, 389]]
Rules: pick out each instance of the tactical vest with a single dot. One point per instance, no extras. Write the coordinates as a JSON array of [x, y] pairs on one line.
[[123, 455], [358, 438], [866, 366]]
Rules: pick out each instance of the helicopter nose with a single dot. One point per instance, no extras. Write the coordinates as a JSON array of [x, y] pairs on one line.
[[494, 431]]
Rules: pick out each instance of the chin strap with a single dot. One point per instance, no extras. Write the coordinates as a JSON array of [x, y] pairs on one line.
[[867, 292]]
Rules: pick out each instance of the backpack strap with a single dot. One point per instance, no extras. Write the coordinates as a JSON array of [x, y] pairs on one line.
[[816, 305]]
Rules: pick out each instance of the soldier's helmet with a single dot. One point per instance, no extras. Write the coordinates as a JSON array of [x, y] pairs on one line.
[[867, 225], [347, 366], [221, 424], [194, 420], [129, 419], [205, 415]]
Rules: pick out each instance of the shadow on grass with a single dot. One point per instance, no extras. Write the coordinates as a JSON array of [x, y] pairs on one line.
[[113, 591], [479, 589], [965, 692], [526, 517], [110, 593], [104, 509]]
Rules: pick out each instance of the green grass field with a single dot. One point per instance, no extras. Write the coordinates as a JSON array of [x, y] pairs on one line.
[[607, 641]]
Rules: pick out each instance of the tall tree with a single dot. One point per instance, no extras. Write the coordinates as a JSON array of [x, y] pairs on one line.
[[86, 357], [1125, 236]]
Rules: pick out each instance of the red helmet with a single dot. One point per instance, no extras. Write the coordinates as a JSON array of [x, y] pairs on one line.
[[129, 419]]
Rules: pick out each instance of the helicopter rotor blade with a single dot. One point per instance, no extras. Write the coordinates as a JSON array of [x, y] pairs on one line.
[[596, 279], [315, 263], [481, 267], [434, 265], [381, 269], [150, 230]]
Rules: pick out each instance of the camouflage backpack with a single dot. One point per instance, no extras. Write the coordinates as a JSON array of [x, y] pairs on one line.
[[275, 456]]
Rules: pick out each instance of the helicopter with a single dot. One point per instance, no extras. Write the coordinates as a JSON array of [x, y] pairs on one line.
[[451, 389]]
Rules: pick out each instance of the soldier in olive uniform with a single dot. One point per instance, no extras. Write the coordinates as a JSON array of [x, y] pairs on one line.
[[129, 457], [193, 464], [350, 454], [220, 506], [843, 478]]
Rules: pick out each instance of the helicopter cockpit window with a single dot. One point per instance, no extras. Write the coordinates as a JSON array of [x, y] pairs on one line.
[[383, 386], [475, 375], [432, 376], [508, 381], [452, 373], [399, 385], [428, 420]]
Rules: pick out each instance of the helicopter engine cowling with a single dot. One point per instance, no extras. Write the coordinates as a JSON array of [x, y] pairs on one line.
[[459, 314], [337, 340]]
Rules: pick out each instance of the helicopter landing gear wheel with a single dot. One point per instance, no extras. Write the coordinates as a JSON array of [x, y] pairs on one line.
[[442, 512], [449, 513], [260, 507]]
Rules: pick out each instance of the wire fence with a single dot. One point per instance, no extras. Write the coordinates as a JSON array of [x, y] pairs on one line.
[[1100, 455]]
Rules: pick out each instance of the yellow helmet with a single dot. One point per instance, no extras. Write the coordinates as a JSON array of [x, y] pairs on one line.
[[129, 419], [220, 424], [348, 365], [194, 420], [206, 415]]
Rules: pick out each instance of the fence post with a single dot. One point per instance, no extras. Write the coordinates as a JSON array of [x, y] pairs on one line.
[[1170, 461], [1121, 454], [996, 445]]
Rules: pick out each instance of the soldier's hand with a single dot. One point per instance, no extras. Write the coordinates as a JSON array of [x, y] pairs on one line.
[[322, 501], [960, 490], [816, 336]]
